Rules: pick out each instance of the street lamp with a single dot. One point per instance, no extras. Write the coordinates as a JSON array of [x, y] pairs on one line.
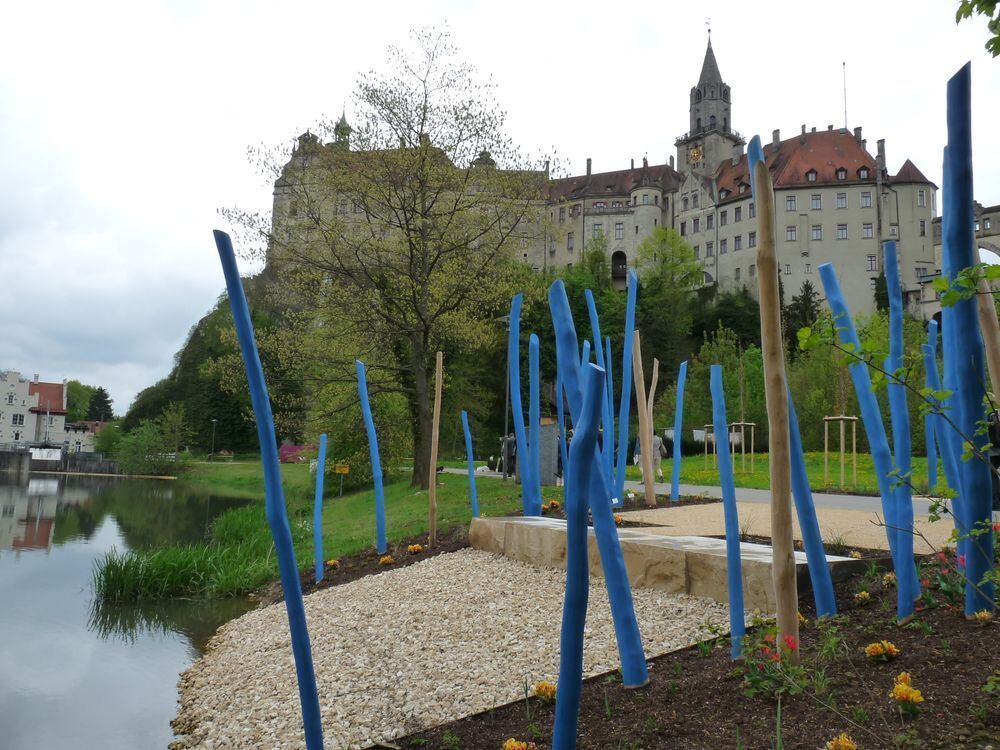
[[505, 319], [211, 453]]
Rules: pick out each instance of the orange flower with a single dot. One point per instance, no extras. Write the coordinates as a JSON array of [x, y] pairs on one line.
[[386, 560], [882, 651], [546, 691], [841, 742], [333, 563], [618, 519], [414, 549]]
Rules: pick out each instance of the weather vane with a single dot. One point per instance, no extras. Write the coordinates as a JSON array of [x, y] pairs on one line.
[[708, 25]]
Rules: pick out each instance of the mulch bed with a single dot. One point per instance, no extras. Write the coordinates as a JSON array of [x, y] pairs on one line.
[[694, 699], [863, 553], [364, 563]]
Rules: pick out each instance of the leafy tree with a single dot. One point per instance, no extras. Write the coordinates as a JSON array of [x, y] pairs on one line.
[[801, 311], [100, 406], [736, 311], [78, 398], [140, 451], [988, 8], [399, 236], [106, 441], [881, 293], [174, 426]]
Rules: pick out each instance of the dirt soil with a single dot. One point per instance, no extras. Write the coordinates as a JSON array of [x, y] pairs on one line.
[[694, 699]]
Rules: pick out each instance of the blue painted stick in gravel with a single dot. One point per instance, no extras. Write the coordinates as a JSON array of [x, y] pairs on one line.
[[675, 470], [473, 498], [608, 446], [626, 403], [734, 564], [805, 509], [561, 416], [533, 492], [870, 415], [574, 618], [959, 244], [274, 498], [318, 508], [930, 350], [517, 409], [633, 660], [908, 584], [603, 358], [381, 544]]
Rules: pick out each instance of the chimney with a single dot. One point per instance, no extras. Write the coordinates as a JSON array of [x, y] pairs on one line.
[[35, 379], [64, 394], [671, 162], [814, 129], [880, 155], [803, 128], [829, 127], [857, 135], [737, 153], [588, 165], [775, 137], [633, 164], [645, 162], [546, 166]]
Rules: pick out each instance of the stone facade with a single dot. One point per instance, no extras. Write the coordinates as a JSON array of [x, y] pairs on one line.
[[33, 412]]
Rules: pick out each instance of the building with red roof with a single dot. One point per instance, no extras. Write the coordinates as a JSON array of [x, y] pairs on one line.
[[33, 413]]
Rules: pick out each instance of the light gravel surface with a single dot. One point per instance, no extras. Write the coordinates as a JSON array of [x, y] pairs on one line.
[[408, 649]]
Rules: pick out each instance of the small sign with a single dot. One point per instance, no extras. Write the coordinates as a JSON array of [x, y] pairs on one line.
[[341, 469]]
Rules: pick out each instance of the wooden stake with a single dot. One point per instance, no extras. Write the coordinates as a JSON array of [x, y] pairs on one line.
[[776, 392], [854, 447], [842, 445], [652, 389], [432, 483], [991, 332], [826, 452], [645, 430]]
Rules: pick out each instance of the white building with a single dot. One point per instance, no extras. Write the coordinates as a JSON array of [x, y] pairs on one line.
[[33, 413]]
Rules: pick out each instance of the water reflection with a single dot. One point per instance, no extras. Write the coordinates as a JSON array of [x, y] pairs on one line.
[[109, 673]]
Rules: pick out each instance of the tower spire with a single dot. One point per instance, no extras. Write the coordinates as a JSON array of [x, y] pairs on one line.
[[710, 68]]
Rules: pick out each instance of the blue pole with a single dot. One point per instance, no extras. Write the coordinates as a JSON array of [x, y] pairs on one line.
[[561, 416], [366, 411], [805, 509], [959, 244], [318, 508], [633, 660], [274, 498], [608, 446], [870, 415], [574, 617], [930, 350], [517, 410], [949, 455], [734, 564], [603, 361], [625, 407], [531, 486], [585, 357], [675, 472], [473, 498], [908, 585]]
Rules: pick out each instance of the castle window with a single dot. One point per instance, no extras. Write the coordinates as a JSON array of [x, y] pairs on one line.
[[866, 199], [809, 268], [789, 202], [788, 269], [863, 173], [684, 226], [752, 239], [923, 228], [723, 247], [562, 213], [817, 202], [697, 252], [841, 174], [752, 270], [696, 224], [737, 277], [811, 175], [619, 230], [738, 213], [817, 232], [723, 218], [709, 249], [710, 221], [723, 194], [841, 200], [872, 262], [694, 200], [711, 122], [570, 241], [743, 188], [598, 230], [868, 230], [738, 242], [684, 202], [791, 233], [842, 231], [921, 198], [600, 204], [753, 210], [645, 199]]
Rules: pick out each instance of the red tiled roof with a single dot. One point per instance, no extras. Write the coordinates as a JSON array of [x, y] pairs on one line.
[[909, 173], [613, 183], [50, 397], [824, 151]]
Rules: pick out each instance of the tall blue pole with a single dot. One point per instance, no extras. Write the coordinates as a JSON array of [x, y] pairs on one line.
[[871, 417], [531, 486], [805, 509], [274, 498], [517, 410], [574, 616], [473, 498], [318, 508], [608, 446], [625, 407], [675, 470], [734, 564], [561, 416], [603, 360], [930, 350], [946, 437], [381, 544], [908, 585], [633, 661], [959, 244]]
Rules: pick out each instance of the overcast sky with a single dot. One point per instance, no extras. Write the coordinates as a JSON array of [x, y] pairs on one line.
[[124, 126]]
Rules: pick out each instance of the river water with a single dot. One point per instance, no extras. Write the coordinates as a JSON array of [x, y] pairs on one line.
[[77, 675]]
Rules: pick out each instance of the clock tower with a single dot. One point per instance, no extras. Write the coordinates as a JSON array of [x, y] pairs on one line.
[[711, 137]]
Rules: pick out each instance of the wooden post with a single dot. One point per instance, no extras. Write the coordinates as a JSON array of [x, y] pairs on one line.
[[826, 452], [645, 429], [776, 392], [652, 390], [432, 480], [753, 459], [991, 333], [854, 447], [842, 445]]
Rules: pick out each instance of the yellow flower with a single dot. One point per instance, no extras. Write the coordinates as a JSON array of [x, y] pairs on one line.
[[841, 742], [413, 549], [802, 619], [882, 651], [889, 579], [333, 563], [513, 744], [906, 694], [618, 519], [904, 678], [857, 556], [386, 560], [546, 691], [862, 596], [983, 616], [554, 505]]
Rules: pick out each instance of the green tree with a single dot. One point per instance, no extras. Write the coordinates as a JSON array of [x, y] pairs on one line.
[[174, 427], [399, 236], [106, 441], [99, 407], [881, 293], [802, 311], [988, 8], [736, 311], [140, 451], [78, 398]]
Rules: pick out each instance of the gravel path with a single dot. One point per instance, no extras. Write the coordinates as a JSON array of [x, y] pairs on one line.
[[408, 649]]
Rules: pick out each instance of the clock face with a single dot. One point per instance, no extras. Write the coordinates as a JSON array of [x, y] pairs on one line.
[[695, 154]]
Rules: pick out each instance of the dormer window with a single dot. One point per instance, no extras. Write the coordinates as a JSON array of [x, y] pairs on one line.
[[723, 194], [743, 188], [811, 175], [863, 173], [841, 174]]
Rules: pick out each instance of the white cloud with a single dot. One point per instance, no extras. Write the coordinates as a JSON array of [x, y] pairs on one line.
[[125, 126]]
